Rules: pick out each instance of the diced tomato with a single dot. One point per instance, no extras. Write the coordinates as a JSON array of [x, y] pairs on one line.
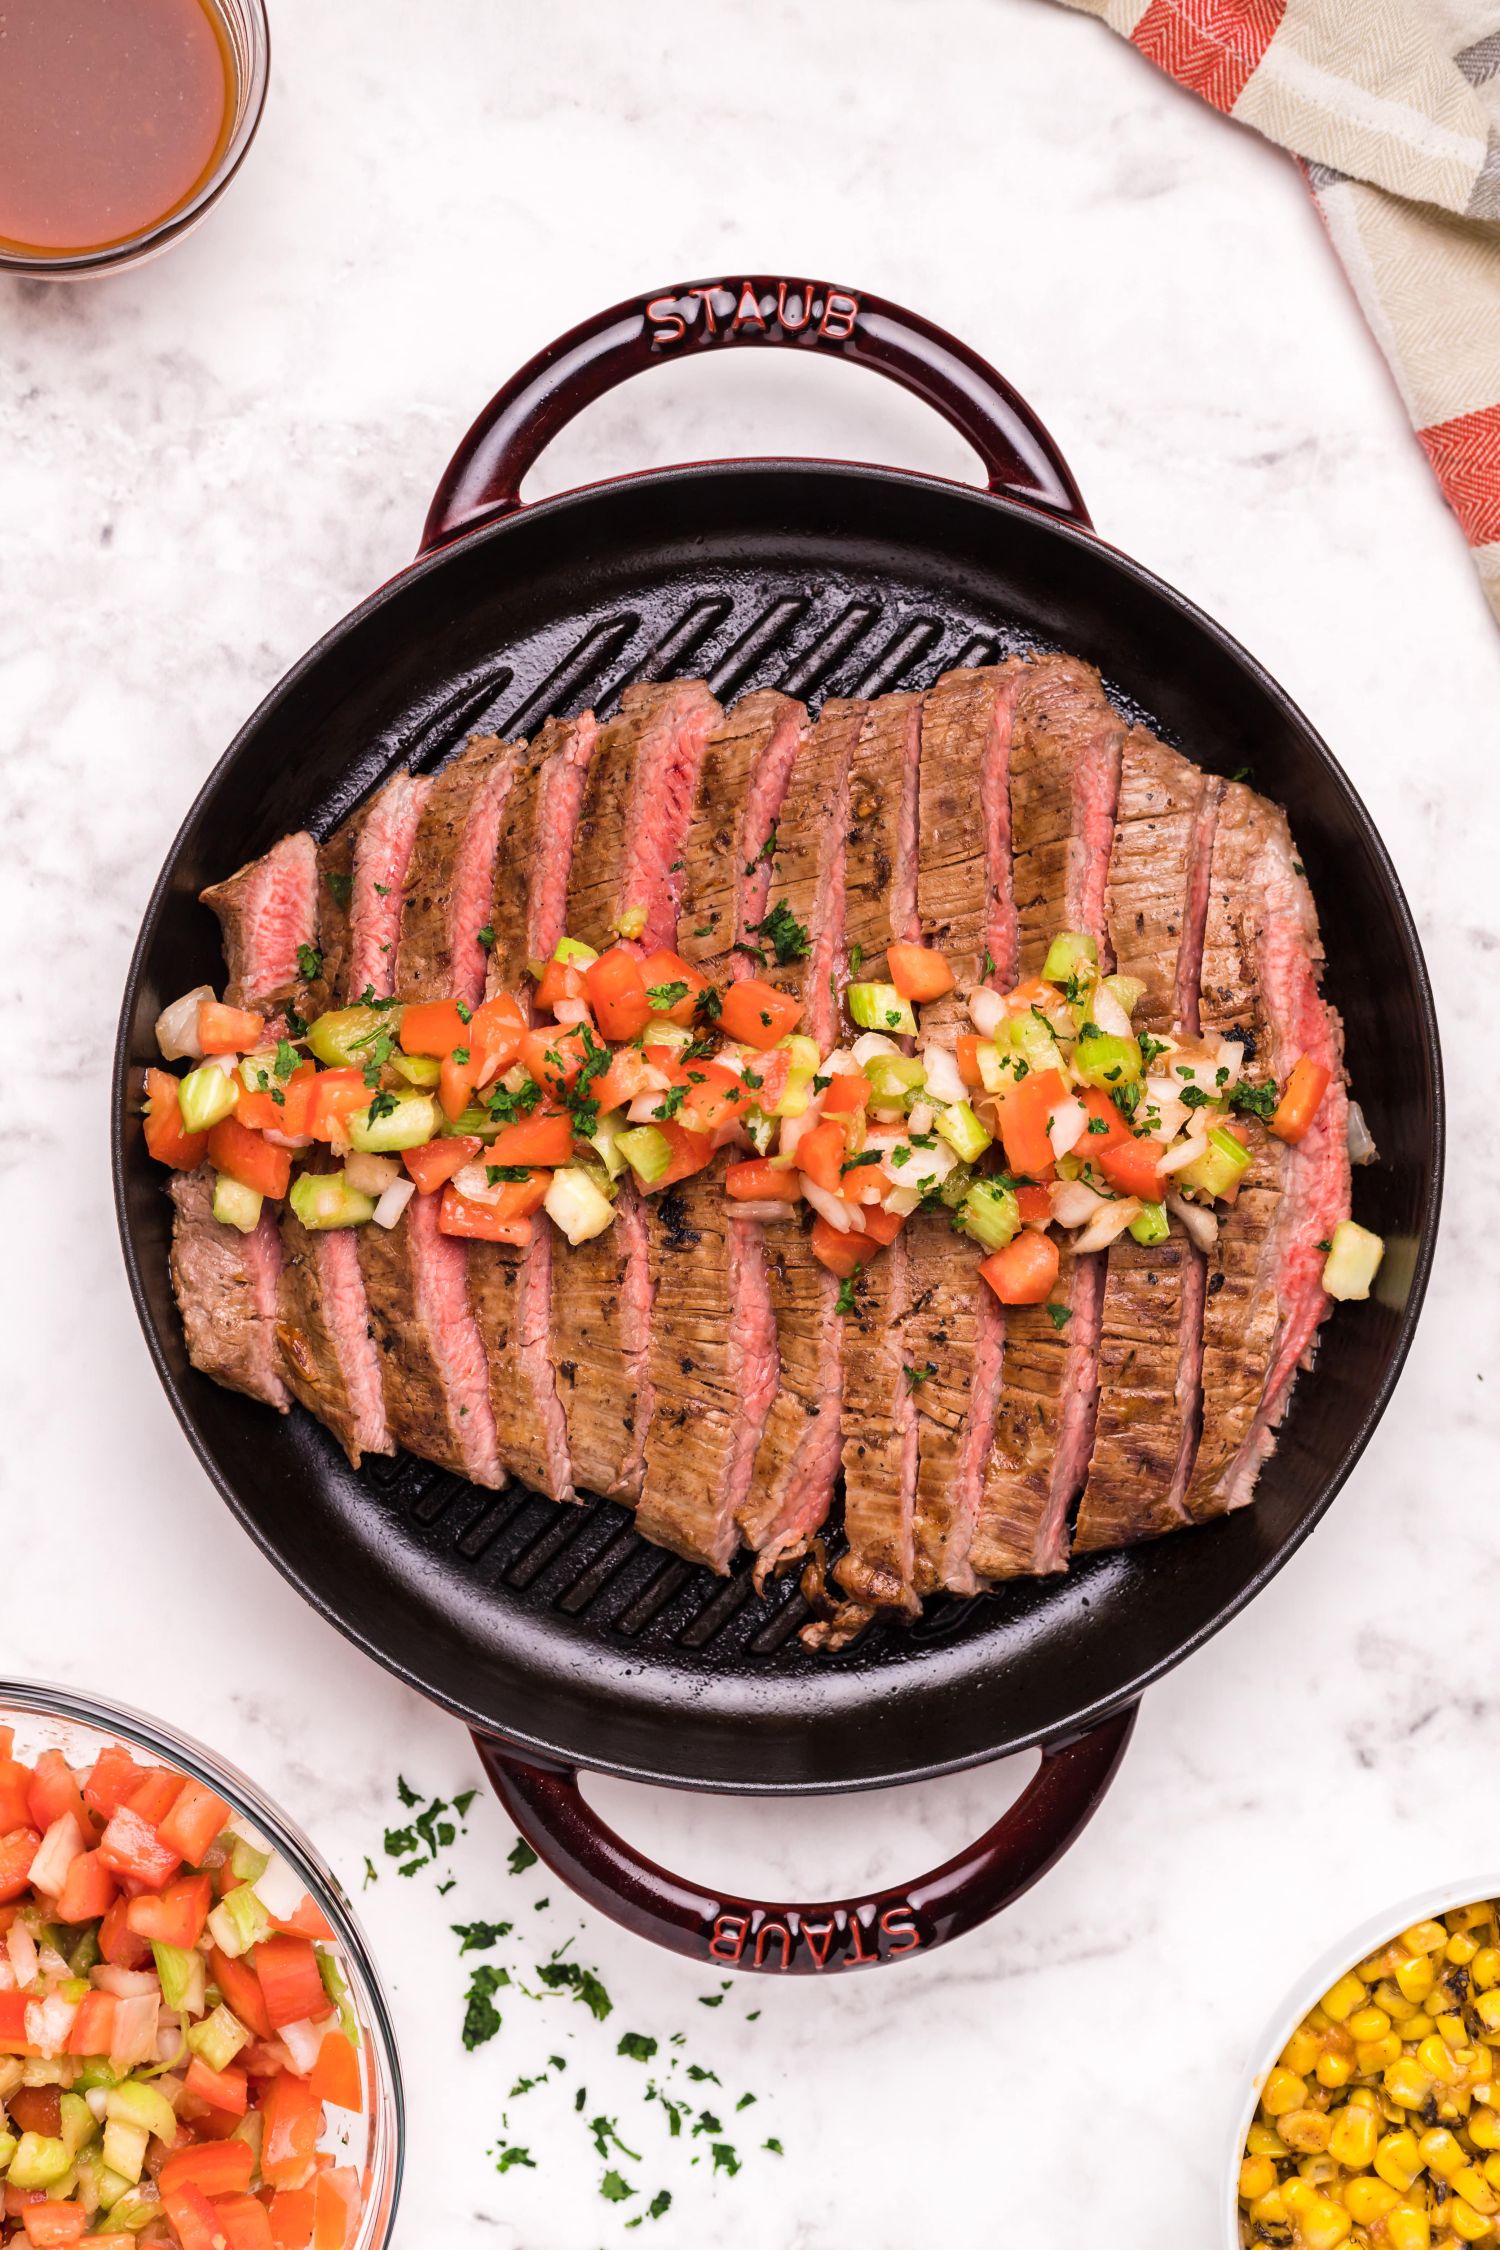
[[15, 1796], [120, 1945], [336, 2203], [215, 2167], [264, 1113], [192, 2217], [250, 1158], [843, 1254], [717, 1099], [93, 2029], [559, 980], [758, 1180], [166, 1136], [88, 1890], [221, 2089], [555, 1056], [544, 1138], [294, 2124], [192, 1822], [292, 2218], [756, 1014], [1033, 992], [508, 1220], [244, 2223], [130, 1846], [155, 1793], [13, 2006], [617, 994], [17, 1851], [1134, 1168], [918, 972], [290, 1980], [1034, 1204], [308, 1921], [228, 1031], [243, 1997], [54, 1791], [112, 1777], [691, 1152], [1300, 1097], [437, 1161], [969, 1044], [1106, 1127], [495, 1036], [177, 1917], [848, 1093], [820, 1154], [50, 2225], [1025, 1105], [662, 969], [432, 1027], [336, 2075], [628, 1075], [1025, 1271], [337, 1094], [882, 1226]]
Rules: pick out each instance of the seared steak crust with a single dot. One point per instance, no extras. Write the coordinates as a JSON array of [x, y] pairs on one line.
[[225, 1284]]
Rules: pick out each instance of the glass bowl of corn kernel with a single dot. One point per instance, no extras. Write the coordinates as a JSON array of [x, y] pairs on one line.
[[1375, 2125]]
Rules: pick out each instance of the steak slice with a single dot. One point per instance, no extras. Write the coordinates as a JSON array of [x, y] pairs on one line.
[[712, 1365], [1262, 958], [510, 1287], [1151, 1326], [796, 1462], [954, 1331], [225, 1283], [432, 1369], [450, 876], [636, 799], [1066, 742], [267, 912], [880, 860]]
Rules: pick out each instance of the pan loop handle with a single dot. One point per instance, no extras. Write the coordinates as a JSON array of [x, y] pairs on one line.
[[483, 480], [716, 1928]]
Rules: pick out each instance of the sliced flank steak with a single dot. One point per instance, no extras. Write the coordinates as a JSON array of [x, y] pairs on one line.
[[1262, 959], [954, 1331], [1066, 741], [1151, 1323], [795, 1468], [623, 881], [225, 1284], [712, 1367], [510, 1287], [268, 914], [450, 876]]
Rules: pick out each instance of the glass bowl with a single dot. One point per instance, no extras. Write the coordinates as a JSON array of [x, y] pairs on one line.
[[1321, 1975], [53, 1718], [249, 35]]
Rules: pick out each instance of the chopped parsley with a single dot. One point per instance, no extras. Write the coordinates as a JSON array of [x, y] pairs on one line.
[[1195, 1097], [636, 2046], [481, 2016], [309, 961], [486, 937], [606, 2138], [480, 1937], [666, 996], [614, 2189], [670, 1103], [341, 887], [381, 1105], [856, 959], [287, 1059], [1324, 1246], [766, 853], [495, 1173], [382, 890], [510, 2157], [1151, 1048], [1059, 1315], [915, 1378], [1097, 1125], [465, 1012], [844, 1304], [505, 1106], [710, 1003], [989, 964], [786, 936], [521, 1857], [857, 1163], [1258, 1101]]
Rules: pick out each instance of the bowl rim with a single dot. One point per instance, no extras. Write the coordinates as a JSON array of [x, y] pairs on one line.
[[387, 2156], [1316, 1979]]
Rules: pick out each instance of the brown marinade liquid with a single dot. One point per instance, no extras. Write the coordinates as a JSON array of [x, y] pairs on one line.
[[113, 113]]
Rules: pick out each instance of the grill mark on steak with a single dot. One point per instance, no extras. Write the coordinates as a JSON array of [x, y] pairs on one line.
[[225, 1283], [1262, 960], [450, 875], [1066, 746], [711, 1312], [796, 1464], [880, 860], [955, 1330], [510, 1286], [635, 806], [267, 911], [1151, 1326]]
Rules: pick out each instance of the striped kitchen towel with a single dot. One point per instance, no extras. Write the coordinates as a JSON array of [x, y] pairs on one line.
[[1393, 106]]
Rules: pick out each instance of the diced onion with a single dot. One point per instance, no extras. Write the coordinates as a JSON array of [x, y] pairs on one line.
[[832, 1208], [642, 1111], [1185, 1152], [986, 1011], [1067, 1125], [923, 1116], [473, 1184], [571, 1012], [48, 2023], [134, 2037], [62, 1844], [293, 1141], [372, 1175], [1362, 1149], [302, 2041], [20, 1945], [1172, 1113], [841, 1063], [278, 1887], [177, 1026], [792, 1130], [917, 1164], [903, 1201], [1107, 1225], [1074, 1203], [1107, 1013], [97, 2097], [868, 1045], [124, 1984], [766, 1213], [1201, 1225], [1231, 1058], [944, 1083], [393, 1202]]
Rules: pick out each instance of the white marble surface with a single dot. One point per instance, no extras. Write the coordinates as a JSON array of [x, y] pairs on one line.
[[204, 464]]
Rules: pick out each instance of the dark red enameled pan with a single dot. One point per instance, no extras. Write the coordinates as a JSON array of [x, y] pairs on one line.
[[560, 1636]]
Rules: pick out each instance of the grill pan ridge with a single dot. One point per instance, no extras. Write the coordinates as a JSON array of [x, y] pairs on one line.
[[559, 1629]]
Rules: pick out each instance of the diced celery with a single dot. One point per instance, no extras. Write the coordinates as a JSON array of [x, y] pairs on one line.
[[40, 2161], [338, 1992], [143, 2106], [472, 1123], [236, 1205], [78, 2126], [880, 1007], [1353, 1261], [632, 923], [325, 1199], [1032, 1038], [96, 2072], [995, 1069], [990, 1214], [182, 1977], [648, 1152], [802, 1050], [417, 1070], [246, 1864], [205, 1097], [251, 2129], [761, 1129], [605, 1138], [963, 1132], [8, 2146], [955, 1187], [1126, 990], [218, 2038], [796, 1094], [88, 2169], [133, 2211], [1072, 953], [1101, 1059], [111, 2189], [257, 1071], [85, 1952], [662, 1032], [1221, 1164], [250, 1919], [1150, 1225], [574, 951], [895, 1078], [404, 1121], [344, 1037], [576, 1204]]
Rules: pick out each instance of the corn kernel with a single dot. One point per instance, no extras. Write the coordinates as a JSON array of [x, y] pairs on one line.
[[1441, 2153], [1283, 2090], [1417, 2025], [1453, 2029], [1324, 2225], [1257, 2178], [1368, 2023], [1301, 2051], [1372, 2055], [1264, 2140], [1467, 2223], [1367, 2199], [1334, 2070], [1398, 2159], [1415, 1977], [1436, 2058], [1469, 2182], [1484, 2129], [1352, 2138], [1363, 2097], [1306, 2130], [1484, 1969], [1343, 1998], [1424, 1937], [1297, 2196], [1487, 2008], [1270, 2211], [1407, 2230], [1407, 2084], [1461, 1949]]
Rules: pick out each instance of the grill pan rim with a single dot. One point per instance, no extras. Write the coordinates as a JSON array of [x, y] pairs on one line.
[[901, 484]]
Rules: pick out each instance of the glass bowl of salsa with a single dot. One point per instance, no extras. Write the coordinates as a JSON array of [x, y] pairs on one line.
[[121, 124]]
